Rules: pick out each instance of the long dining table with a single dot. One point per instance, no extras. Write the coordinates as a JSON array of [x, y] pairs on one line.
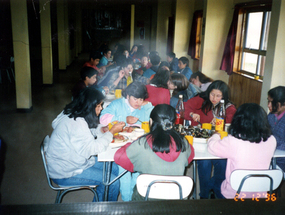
[[201, 153]]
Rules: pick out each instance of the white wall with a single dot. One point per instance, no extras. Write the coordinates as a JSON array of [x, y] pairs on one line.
[[218, 16]]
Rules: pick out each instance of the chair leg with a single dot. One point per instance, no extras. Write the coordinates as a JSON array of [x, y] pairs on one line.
[[57, 197], [95, 199]]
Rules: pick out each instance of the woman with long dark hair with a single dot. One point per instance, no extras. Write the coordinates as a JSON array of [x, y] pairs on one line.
[[162, 151], [276, 118], [204, 108], [76, 139], [158, 92], [249, 145]]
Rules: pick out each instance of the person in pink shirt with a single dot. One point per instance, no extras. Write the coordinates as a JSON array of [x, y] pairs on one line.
[[249, 145]]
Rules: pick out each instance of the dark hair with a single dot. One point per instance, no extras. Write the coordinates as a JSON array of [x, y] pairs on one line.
[[171, 54], [184, 60], [216, 85], [161, 77], [135, 89], [250, 123], [121, 61], [144, 55], [163, 64], [84, 106], [278, 95], [153, 53], [95, 55], [87, 72], [162, 129], [180, 81], [133, 48], [155, 60], [106, 51], [202, 77]]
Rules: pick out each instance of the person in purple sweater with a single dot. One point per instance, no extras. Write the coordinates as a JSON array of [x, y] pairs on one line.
[[249, 145], [276, 118]]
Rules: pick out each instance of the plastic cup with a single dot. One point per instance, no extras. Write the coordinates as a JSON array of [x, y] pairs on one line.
[[189, 138], [145, 127], [227, 126], [110, 125], [207, 126], [118, 93], [223, 134]]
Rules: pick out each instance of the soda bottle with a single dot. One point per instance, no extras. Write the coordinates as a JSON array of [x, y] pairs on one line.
[[129, 79], [180, 111], [221, 117]]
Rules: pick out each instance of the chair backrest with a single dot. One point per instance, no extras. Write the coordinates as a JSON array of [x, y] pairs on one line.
[[164, 187], [44, 147], [256, 180]]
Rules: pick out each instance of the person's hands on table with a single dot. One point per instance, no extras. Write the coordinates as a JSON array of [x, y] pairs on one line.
[[117, 127], [213, 122], [195, 117], [132, 119], [106, 89]]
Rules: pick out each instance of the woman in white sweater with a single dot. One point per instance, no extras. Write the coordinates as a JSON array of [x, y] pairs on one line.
[[76, 138]]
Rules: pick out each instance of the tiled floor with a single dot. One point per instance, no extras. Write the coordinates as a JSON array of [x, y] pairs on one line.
[[24, 179]]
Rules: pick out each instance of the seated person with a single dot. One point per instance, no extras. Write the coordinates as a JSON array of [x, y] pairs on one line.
[[162, 151], [157, 90], [145, 64], [276, 118], [130, 107], [104, 61], [76, 139], [119, 80], [204, 108], [133, 52], [155, 61], [249, 145], [200, 80], [94, 61], [183, 64], [181, 86], [164, 64], [88, 78], [173, 61]]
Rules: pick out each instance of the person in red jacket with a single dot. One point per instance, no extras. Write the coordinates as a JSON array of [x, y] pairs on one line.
[[157, 90], [203, 108]]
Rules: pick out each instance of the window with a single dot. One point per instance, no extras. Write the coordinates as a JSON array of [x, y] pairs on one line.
[[252, 38]]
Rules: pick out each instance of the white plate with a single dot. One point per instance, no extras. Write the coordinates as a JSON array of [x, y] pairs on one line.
[[115, 145], [199, 140], [110, 96]]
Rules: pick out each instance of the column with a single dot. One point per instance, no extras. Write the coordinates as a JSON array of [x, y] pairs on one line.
[[132, 31], [19, 19], [47, 67], [61, 36]]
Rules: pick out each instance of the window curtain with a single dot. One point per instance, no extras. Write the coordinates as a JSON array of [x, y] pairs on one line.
[[193, 33], [229, 51]]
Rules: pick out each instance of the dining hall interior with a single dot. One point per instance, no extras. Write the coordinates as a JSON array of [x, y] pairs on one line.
[[49, 41]]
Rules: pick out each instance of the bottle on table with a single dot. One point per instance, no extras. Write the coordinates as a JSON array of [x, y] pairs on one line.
[[221, 117], [129, 79], [180, 111]]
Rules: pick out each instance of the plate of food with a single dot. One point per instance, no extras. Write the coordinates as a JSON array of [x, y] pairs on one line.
[[110, 96], [119, 140]]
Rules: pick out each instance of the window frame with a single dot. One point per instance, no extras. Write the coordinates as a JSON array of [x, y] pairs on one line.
[[241, 39]]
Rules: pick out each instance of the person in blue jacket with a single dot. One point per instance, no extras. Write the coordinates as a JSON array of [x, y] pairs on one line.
[[129, 109], [183, 64]]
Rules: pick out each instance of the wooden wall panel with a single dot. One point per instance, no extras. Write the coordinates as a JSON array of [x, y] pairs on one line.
[[244, 89]]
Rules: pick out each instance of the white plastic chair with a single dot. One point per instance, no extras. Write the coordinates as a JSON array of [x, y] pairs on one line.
[[256, 180], [61, 191], [164, 187]]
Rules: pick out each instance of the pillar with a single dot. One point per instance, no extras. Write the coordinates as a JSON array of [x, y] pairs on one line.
[[132, 36], [61, 35], [19, 19], [47, 67]]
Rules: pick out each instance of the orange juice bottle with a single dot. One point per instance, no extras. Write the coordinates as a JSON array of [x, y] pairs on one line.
[[220, 120]]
